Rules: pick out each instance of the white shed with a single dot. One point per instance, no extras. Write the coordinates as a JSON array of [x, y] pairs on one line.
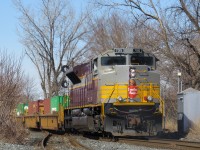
[[188, 109]]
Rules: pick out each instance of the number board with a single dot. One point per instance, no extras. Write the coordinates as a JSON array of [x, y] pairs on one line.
[[119, 50], [137, 50]]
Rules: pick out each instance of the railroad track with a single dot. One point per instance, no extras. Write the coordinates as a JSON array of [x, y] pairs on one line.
[[163, 143], [147, 142], [45, 140], [73, 141], [67, 141]]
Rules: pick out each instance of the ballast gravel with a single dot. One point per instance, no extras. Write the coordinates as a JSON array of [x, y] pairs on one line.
[[91, 144], [64, 144], [102, 145], [8, 146]]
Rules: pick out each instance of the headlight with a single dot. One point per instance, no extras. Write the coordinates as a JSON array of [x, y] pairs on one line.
[[132, 73], [150, 98], [120, 99]]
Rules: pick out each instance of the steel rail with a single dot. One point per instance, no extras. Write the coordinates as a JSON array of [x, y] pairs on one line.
[[45, 140], [76, 144], [163, 143]]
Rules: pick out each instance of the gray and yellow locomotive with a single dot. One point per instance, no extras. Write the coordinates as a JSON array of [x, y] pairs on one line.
[[117, 92]]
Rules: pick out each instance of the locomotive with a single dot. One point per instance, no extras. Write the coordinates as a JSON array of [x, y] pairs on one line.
[[117, 92]]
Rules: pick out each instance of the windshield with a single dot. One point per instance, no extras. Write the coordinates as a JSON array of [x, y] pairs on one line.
[[109, 61], [141, 60]]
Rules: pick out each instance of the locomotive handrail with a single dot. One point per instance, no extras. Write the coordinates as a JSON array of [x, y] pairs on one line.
[[162, 105], [103, 102], [121, 89], [141, 79], [152, 92], [159, 97], [141, 71]]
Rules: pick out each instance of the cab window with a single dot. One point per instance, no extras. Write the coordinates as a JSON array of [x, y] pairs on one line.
[[141, 60], [95, 66], [110, 61]]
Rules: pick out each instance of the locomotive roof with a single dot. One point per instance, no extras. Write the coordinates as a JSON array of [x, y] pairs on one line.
[[125, 51]]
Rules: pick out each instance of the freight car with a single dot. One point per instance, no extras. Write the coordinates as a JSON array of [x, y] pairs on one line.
[[117, 92], [43, 114]]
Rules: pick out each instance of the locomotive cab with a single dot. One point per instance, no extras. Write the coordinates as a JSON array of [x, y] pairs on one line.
[[120, 66], [128, 57]]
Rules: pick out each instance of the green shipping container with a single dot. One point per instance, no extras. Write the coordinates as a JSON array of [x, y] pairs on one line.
[[20, 109], [58, 101]]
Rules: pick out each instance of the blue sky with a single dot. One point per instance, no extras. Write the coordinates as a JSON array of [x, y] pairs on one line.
[[9, 39], [8, 34]]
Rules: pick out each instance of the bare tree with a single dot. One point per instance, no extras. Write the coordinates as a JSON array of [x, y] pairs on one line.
[[11, 90], [109, 32], [171, 32], [187, 30], [52, 36], [29, 89]]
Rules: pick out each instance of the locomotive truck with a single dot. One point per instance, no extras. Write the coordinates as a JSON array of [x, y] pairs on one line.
[[117, 92]]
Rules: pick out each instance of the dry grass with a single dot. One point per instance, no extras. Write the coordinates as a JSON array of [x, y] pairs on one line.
[[194, 133], [13, 132], [171, 125], [11, 91]]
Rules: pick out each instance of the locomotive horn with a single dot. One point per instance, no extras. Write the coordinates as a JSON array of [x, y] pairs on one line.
[[65, 84], [64, 68]]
